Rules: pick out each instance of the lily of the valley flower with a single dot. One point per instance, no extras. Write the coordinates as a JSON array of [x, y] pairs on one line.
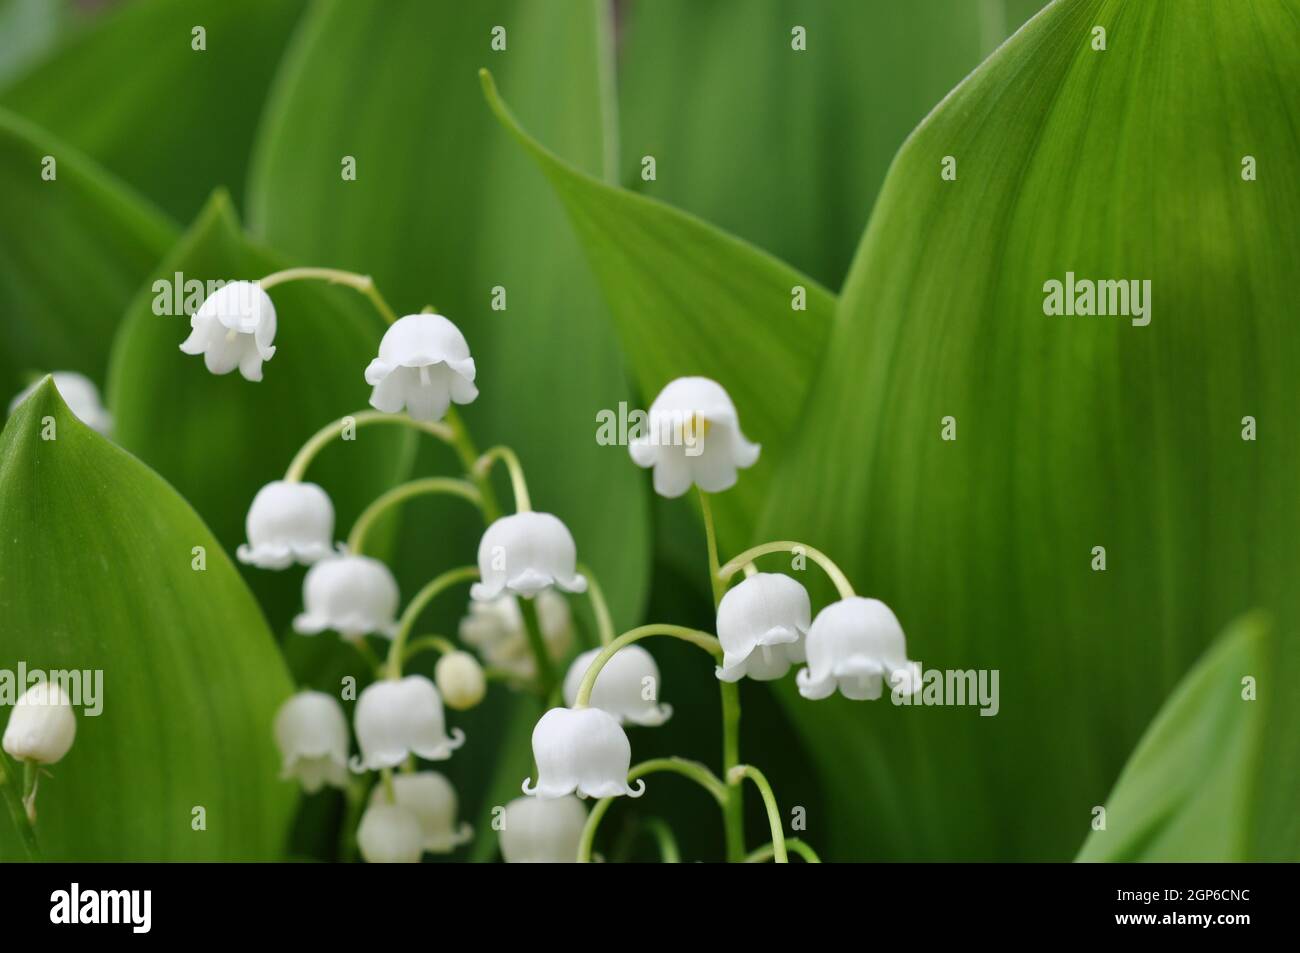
[[694, 437], [423, 365], [353, 595], [525, 553], [288, 523], [399, 718], [234, 327], [854, 645], [761, 625], [542, 830], [430, 797], [82, 397], [460, 679], [496, 630], [389, 834], [627, 686], [312, 733], [583, 750], [41, 726]]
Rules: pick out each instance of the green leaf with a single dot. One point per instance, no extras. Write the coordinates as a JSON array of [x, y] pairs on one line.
[[73, 250], [1072, 432], [689, 299], [443, 210], [96, 557], [219, 439], [173, 121], [28, 29], [787, 148], [1189, 790]]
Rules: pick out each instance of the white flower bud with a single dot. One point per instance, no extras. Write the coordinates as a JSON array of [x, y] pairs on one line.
[[353, 595], [627, 686], [389, 834], [693, 437], [42, 726], [233, 328], [430, 797], [525, 553], [496, 630], [583, 750], [82, 397], [396, 719], [853, 645], [542, 830], [761, 625], [288, 523], [460, 679], [312, 733], [423, 365]]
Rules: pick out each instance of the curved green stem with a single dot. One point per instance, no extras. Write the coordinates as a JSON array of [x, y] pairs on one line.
[[322, 438], [669, 852], [546, 678], [717, 580], [17, 812], [362, 283], [599, 607], [367, 653], [438, 643], [483, 466], [417, 604], [402, 493], [463, 444], [767, 851], [701, 639], [742, 771], [841, 581], [688, 769]]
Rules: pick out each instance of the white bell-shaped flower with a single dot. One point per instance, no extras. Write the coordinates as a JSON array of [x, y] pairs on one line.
[[538, 830], [288, 523], [583, 750], [312, 733], [353, 595], [41, 726], [495, 629], [855, 645], [525, 553], [431, 798], [423, 365], [627, 686], [389, 834], [693, 437], [396, 718], [761, 625], [80, 394], [234, 327]]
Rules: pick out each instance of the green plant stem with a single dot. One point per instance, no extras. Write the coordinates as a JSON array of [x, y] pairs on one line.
[[518, 485], [323, 437], [438, 643], [463, 444], [546, 677], [688, 769], [735, 776], [669, 852], [366, 652], [697, 638], [17, 811], [599, 607], [362, 283], [404, 492], [841, 581], [794, 844], [417, 604]]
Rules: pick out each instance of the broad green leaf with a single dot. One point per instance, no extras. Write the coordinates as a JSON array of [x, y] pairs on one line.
[[1071, 432], [73, 250], [28, 29], [689, 299], [173, 121], [443, 210], [787, 147], [97, 557], [1190, 789], [219, 439]]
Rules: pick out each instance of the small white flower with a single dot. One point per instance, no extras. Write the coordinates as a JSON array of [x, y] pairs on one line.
[[583, 750], [42, 726], [538, 830], [693, 437], [423, 365], [398, 718], [430, 797], [389, 834], [525, 553], [627, 686], [234, 327], [853, 645], [288, 523], [353, 595], [312, 733], [761, 625], [496, 630], [460, 679], [82, 397]]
